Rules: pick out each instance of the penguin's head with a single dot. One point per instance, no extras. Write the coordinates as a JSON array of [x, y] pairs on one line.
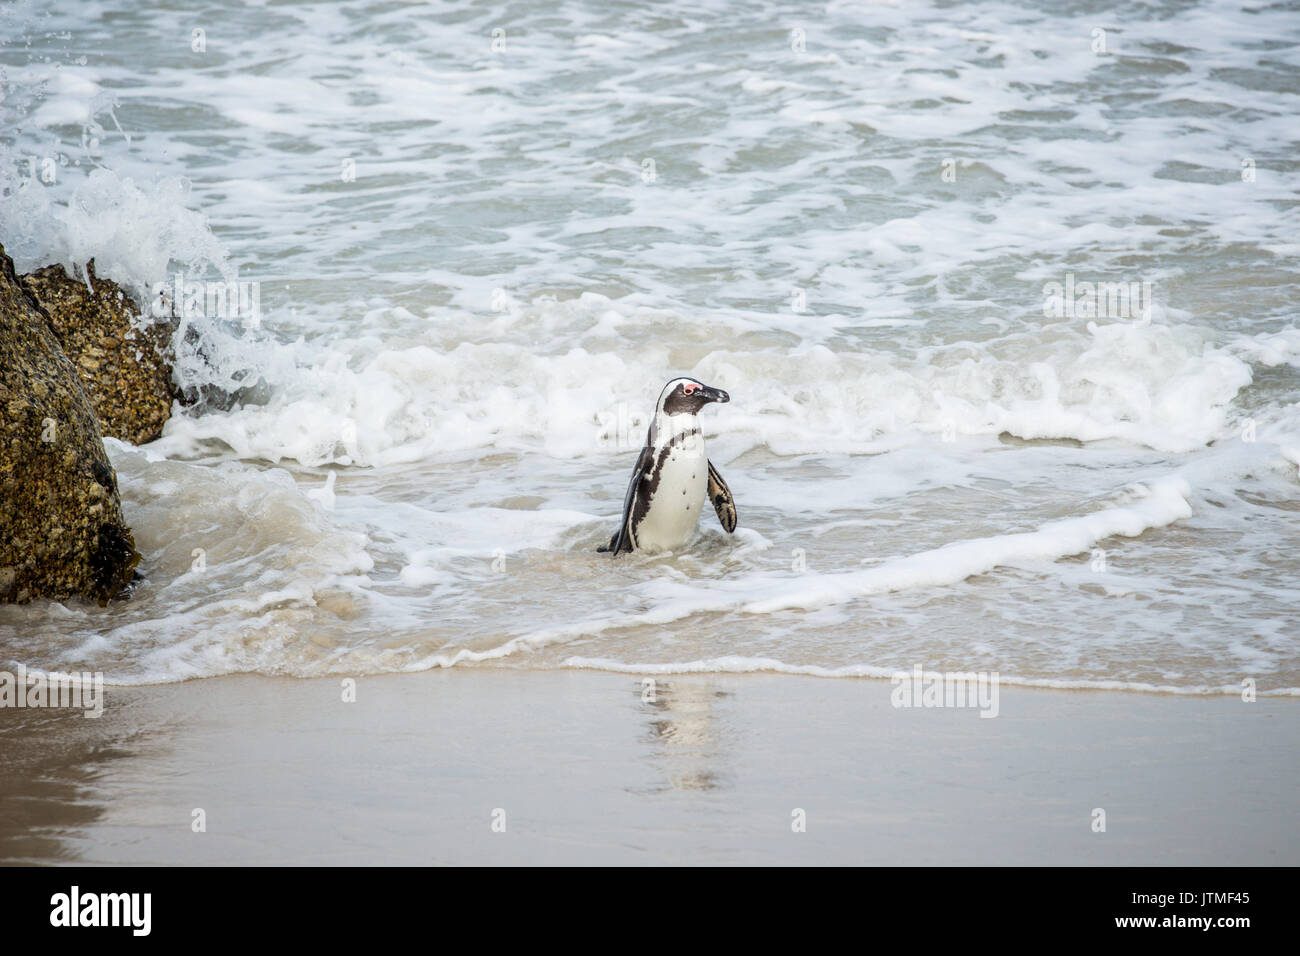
[[686, 396]]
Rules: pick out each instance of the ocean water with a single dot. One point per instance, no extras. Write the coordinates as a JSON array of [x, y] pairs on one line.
[[484, 236]]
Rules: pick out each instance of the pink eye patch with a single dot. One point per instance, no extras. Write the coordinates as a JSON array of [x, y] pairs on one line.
[[689, 388]]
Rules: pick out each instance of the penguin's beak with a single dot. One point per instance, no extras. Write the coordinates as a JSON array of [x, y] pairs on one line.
[[714, 394]]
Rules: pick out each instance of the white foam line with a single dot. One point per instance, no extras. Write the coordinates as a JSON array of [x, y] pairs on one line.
[[1165, 503], [753, 665]]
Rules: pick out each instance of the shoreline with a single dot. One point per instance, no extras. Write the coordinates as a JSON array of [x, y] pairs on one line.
[[706, 668], [584, 767]]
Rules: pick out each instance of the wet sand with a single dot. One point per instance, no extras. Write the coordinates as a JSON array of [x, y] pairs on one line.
[[712, 771]]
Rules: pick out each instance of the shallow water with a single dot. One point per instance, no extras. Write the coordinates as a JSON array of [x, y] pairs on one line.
[[480, 257]]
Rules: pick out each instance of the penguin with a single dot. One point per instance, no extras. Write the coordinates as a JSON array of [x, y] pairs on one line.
[[673, 476]]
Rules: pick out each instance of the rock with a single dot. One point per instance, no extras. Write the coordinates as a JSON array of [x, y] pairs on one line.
[[126, 371], [62, 533]]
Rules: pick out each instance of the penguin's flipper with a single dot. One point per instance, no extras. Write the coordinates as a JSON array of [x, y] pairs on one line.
[[622, 541], [723, 503]]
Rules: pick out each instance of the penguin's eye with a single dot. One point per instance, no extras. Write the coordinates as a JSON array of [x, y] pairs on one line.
[[689, 388]]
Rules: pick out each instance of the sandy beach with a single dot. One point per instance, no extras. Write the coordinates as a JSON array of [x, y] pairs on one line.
[[587, 771]]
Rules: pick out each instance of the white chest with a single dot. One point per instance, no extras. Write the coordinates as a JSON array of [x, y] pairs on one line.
[[676, 498]]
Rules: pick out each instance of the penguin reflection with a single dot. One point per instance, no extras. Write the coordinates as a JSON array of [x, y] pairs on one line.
[[684, 732]]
